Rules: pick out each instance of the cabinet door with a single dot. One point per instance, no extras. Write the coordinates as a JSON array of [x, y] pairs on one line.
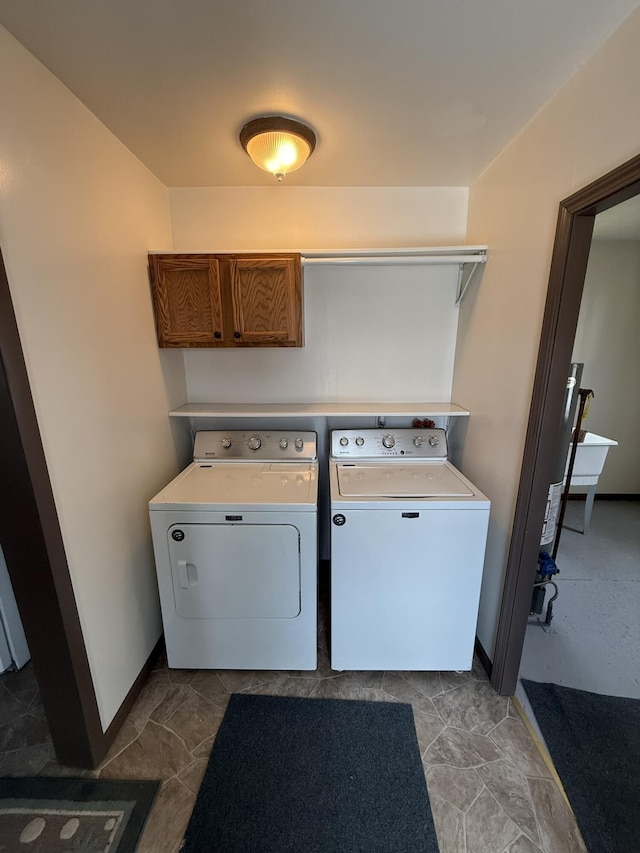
[[266, 296], [187, 300]]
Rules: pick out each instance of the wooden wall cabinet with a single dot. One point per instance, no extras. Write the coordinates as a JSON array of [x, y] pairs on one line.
[[216, 300]]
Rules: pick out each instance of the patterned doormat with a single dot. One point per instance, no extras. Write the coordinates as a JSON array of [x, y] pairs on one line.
[[57, 815]]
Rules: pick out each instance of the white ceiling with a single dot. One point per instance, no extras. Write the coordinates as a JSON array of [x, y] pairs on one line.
[[399, 92]]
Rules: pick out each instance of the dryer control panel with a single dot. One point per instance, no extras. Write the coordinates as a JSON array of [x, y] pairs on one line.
[[383, 444], [265, 445]]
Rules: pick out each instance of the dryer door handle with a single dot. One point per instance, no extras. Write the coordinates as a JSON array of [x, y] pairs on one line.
[[183, 577], [187, 574]]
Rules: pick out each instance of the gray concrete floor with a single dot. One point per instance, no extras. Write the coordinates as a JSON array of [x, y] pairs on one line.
[[594, 640]]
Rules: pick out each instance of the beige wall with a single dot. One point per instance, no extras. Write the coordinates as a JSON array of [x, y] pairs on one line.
[[590, 127], [296, 218], [608, 343], [371, 333], [77, 215]]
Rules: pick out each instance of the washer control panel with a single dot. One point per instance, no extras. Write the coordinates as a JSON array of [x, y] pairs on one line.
[[385, 443], [265, 445]]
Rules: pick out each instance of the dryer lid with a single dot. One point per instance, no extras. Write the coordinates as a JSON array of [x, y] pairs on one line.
[[266, 484], [396, 480]]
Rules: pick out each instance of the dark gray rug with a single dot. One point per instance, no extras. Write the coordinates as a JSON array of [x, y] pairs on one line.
[[64, 815], [289, 775], [594, 742]]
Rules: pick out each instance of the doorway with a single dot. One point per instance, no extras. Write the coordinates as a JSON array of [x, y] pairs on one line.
[[566, 281], [593, 641]]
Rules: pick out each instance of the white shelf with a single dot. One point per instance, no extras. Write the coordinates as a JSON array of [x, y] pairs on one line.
[[278, 410], [415, 255]]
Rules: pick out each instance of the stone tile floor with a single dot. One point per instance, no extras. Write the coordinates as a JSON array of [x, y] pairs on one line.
[[490, 790]]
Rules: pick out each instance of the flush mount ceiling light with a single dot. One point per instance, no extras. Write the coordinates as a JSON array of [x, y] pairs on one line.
[[276, 144]]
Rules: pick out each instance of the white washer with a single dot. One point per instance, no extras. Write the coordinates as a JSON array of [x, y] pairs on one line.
[[408, 537], [235, 541]]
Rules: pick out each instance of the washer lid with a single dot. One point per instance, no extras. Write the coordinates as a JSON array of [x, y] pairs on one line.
[[228, 483], [397, 480]]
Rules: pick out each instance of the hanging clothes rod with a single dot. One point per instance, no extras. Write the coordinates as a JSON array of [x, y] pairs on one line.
[[394, 259], [456, 255]]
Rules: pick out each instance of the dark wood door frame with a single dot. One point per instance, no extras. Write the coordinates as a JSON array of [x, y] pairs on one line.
[[566, 281], [35, 556]]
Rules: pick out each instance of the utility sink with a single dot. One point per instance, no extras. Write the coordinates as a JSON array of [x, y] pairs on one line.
[[591, 454]]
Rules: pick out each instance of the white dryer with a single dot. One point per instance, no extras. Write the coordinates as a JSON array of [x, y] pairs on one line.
[[235, 541], [408, 537]]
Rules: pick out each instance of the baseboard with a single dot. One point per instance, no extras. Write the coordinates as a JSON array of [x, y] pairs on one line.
[[483, 657], [622, 496], [129, 701]]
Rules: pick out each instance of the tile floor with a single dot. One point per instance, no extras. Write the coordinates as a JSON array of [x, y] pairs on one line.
[[490, 790]]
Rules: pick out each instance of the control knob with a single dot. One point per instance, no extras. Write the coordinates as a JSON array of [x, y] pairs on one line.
[[344, 441], [388, 441], [434, 441], [359, 441], [255, 442], [418, 440], [284, 443], [299, 443], [226, 442]]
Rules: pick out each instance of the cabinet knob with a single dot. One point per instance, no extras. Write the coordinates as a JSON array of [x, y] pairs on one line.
[[217, 335], [237, 335]]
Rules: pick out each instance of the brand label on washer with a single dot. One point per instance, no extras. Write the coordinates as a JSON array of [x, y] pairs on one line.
[[178, 535], [339, 519]]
